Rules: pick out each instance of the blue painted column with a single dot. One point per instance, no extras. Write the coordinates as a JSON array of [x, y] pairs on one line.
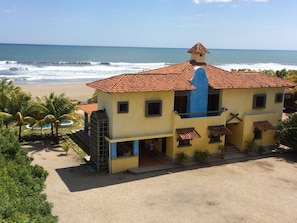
[[113, 148], [136, 147], [199, 97]]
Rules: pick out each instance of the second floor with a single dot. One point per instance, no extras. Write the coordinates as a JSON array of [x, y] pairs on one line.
[[149, 113]]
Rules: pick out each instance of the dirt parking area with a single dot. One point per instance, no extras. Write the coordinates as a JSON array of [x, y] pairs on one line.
[[262, 190]]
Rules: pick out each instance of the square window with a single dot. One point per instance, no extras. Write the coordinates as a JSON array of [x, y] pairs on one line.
[[153, 108], [214, 139], [184, 142], [123, 107], [259, 101], [279, 97]]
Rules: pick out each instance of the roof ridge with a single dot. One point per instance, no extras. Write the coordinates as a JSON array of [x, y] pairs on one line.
[[120, 78]]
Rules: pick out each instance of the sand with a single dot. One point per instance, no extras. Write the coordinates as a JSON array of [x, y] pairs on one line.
[[75, 90], [262, 190]]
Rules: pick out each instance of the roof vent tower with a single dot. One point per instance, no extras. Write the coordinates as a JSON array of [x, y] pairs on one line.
[[198, 52]]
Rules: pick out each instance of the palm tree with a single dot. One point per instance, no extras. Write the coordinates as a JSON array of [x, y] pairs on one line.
[[11, 99], [58, 108], [6, 87], [5, 117]]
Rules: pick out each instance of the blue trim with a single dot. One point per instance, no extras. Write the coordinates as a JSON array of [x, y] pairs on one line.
[[135, 147], [199, 97], [113, 148]]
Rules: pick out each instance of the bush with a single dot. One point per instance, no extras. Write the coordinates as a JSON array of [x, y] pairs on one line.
[[21, 184]]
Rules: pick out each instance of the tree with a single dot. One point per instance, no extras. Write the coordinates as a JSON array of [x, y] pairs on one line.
[[57, 109], [281, 73], [21, 184], [287, 131], [94, 97]]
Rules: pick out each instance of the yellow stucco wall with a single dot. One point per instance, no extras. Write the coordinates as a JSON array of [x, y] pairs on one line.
[[124, 163], [236, 101], [201, 126], [267, 136], [241, 101], [135, 123]]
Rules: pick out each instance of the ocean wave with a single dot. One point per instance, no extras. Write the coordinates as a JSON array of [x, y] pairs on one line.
[[29, 72], [8, 62]]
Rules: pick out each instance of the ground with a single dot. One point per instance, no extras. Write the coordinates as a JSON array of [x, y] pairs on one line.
[[262, 190]]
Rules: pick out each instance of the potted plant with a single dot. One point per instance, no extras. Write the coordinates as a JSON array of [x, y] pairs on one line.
[[202, 155], [181, 158], [261, 150], [251, 146], [222, 149]]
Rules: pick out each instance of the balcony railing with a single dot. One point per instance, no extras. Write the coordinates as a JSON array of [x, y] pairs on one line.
[[199, 114]]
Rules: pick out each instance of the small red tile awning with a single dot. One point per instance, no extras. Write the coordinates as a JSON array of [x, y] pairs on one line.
[[88, 108], [219, 130], [264, 126], [187, 133]]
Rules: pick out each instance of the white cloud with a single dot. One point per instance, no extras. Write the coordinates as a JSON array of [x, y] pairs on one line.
[[225, 1], [11, 10]]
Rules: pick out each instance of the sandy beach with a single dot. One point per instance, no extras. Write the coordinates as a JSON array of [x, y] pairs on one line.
[[76, 90]]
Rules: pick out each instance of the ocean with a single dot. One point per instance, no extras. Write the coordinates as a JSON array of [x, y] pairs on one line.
[[33, 64]]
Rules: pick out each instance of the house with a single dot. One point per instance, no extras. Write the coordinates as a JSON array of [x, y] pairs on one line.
[[180, 108]]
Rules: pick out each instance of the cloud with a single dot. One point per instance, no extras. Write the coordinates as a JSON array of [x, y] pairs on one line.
[[225, 1]]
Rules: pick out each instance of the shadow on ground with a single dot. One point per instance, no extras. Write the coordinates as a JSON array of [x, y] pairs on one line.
[[83, 177]]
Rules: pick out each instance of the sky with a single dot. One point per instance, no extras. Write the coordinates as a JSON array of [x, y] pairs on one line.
[[217, 24]]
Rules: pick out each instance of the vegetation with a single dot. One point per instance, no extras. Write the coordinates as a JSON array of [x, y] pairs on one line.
[[222, 149], [17, 106], [66, 146], [181, 158], [251, 146], [93, 99], [202, 155], [287, 131], [21, 184], [55, 109]]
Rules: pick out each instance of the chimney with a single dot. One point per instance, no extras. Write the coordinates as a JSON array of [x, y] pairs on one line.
[[198, 52]]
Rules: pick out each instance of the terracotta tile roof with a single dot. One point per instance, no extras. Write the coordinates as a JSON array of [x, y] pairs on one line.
[[264, 126], [187, 133], [219, 130], [88, 108], [222, 79], [144, 82], [178, 78], [198, 48]]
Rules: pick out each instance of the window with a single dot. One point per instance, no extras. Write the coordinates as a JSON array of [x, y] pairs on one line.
[[123, 107], [214, 139], [184, 142], [279, 97], [153, 108], [259, 101], [257, 133]]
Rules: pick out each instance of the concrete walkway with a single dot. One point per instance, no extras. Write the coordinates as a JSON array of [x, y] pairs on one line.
[[213, 161]]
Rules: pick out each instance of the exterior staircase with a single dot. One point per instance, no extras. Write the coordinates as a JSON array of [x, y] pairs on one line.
[[230, 149], [82, 136]]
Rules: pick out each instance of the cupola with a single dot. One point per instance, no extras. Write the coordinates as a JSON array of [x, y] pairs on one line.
[[198, 52]]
